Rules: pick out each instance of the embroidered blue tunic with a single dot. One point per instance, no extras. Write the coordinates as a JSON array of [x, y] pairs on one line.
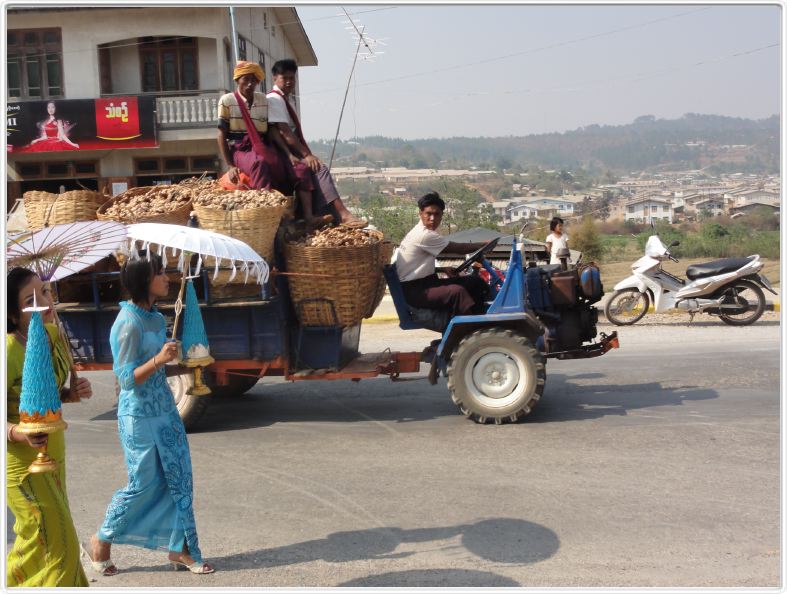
[[155, 509]]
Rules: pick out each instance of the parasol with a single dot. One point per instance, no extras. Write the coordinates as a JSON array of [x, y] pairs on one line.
[[193, 240], [58, 251], [61, 250]]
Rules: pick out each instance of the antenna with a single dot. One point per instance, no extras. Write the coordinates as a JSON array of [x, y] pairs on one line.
[[367, 53]]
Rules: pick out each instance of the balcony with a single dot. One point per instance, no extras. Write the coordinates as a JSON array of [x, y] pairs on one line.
[[178, 113]]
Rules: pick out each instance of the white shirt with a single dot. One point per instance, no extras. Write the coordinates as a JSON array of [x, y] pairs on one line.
[[416, 255], [277, 109], [558, 243]]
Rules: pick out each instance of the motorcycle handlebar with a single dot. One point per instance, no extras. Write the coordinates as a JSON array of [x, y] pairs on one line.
[[673, 258]]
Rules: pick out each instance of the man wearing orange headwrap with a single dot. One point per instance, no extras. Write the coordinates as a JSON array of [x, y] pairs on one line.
[[246, 143]]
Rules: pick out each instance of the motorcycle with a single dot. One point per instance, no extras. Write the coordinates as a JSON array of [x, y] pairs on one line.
[[729, 288]]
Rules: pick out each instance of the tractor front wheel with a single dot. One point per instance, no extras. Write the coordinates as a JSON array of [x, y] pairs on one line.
[[496, 375]]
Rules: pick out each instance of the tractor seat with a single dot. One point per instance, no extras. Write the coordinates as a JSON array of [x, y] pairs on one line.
[[411, 318], [716, 267]]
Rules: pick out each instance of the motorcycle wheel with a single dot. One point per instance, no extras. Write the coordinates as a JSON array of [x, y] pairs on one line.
[[626, 307], [751, 299]]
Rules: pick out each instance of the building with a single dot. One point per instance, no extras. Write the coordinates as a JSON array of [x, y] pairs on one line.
[[155, 71], [750, 207], [748, 196], [649, 209], [560, 206], [711, 205]]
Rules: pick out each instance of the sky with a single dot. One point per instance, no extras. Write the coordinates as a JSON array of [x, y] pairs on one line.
[[500, 70]]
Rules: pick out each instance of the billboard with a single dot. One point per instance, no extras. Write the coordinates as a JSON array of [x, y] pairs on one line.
[[81, 124]]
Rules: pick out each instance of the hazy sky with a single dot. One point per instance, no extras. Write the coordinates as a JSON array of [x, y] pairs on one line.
[[476, 70]]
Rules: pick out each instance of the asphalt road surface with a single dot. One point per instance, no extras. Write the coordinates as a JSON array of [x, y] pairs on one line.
[[655, 465]]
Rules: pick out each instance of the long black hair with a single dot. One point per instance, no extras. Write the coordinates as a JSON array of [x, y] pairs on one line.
[[135, 275], [16, 279]]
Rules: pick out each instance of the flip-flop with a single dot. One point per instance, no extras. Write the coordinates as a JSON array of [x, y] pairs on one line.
[[355, 224], [102, 567]]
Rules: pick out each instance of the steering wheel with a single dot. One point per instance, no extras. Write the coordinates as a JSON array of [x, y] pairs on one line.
[[476, 256]]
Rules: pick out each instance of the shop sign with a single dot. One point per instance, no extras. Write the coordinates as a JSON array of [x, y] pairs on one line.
[[81, 124]]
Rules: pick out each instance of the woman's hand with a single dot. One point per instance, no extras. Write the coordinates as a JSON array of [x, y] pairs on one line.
[[169, 352], [79, 389], [36, 440], [233, 174]]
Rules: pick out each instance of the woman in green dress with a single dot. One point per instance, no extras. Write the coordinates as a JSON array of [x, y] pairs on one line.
[[46, 550]]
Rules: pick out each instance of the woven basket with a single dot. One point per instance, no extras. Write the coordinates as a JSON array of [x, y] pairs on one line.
[[177, 216], [37, 205], [77, 205], [222, 288], [349, 288], [254, 226]]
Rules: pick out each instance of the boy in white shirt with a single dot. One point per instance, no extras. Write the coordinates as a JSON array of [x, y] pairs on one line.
[[312, 173]]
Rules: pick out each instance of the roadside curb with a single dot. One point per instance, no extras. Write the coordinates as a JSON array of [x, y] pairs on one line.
[[387, 319]]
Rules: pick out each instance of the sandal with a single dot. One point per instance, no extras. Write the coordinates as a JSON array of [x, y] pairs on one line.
[[196, 567], [106, 568]]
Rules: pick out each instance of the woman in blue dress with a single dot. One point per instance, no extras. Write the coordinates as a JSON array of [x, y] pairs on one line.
[[155, 509]]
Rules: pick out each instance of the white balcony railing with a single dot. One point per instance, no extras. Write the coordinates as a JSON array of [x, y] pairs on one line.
[[187, 112]]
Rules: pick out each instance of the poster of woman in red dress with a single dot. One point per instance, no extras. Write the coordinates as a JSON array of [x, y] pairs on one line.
[[54, 134]]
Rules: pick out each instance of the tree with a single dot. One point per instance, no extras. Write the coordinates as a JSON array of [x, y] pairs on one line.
[[587, 240]]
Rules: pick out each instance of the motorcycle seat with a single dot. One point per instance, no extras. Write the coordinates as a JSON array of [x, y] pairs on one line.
[[716, 267]]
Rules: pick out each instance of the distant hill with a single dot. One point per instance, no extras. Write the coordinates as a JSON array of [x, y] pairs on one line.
[[718, 143]]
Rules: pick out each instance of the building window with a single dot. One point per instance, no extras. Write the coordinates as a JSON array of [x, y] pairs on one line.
[[59, 169], [241, 48], [631, 209], [168, 64], [34, 64], [171, 170]]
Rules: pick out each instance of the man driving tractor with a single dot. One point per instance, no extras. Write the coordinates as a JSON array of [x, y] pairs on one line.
[[415, 265]]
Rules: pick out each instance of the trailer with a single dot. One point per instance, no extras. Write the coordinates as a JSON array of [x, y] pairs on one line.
[[495, 363]]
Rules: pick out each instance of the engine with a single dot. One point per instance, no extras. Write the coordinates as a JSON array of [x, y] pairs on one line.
[[563, 300]]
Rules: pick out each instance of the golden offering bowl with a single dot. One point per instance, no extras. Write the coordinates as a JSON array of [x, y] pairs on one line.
[[48, 423], [197, 363]]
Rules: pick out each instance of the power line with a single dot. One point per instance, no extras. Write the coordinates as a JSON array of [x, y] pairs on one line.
[[525, 52], [628, 77]]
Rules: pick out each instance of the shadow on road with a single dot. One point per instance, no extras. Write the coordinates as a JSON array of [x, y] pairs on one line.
[[433, 578], [329, 402], [500, 540], [565, 401]]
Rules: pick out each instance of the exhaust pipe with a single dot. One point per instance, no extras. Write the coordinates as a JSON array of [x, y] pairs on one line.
[[712, 306], [700, 304]]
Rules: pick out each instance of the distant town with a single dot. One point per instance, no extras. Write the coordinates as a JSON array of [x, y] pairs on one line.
[[641, 198]]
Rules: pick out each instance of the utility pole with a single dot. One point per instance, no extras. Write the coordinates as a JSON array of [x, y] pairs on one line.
[[234, 34]]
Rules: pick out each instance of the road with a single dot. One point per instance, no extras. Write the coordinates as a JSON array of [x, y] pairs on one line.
[[655, 465]]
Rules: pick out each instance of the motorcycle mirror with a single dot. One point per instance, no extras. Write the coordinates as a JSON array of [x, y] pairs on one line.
[[674, 243]]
